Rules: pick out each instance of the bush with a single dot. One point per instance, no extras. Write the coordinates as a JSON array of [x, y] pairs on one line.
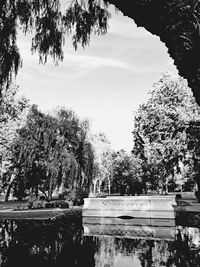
[[30, 202], [43, 198], [38, 204], [61, 196], [62, 204], [178, 197], [77, 196], [41, 204], [49, 204]]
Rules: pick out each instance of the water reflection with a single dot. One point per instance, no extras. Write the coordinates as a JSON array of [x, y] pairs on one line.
[[115, 252], [130, 228], [64, 243]]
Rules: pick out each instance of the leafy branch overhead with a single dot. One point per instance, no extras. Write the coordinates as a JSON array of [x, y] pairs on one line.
[[49, 22], [176, 22]]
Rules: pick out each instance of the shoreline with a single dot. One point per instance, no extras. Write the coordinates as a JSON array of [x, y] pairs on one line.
[[16, 210], [76, 211], [40, 214]]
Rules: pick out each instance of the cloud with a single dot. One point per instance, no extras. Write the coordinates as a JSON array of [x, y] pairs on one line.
[[105, 81], [86, 62]]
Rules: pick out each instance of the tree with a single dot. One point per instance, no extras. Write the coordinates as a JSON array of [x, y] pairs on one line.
[[160, 129], [49, 23], [77, 133], [193, 139], [51, 153], [175, 22], [127, 174], [103, 163], [13, 111]]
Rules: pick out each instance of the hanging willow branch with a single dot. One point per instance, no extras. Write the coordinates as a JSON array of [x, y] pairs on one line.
[[49, 22]]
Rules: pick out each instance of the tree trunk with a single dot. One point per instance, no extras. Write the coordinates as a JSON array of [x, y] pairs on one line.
[[166, 187], [13, 177], [109, 186], [99, 189], [94, 186], [50, 190], [43, 192], [36, 191], [198, 189]]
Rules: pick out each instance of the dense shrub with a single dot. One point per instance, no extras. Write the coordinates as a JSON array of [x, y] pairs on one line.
[[41, 204], [42, 198], [76, 196], [36, 204], [178, 197], [62, 204]]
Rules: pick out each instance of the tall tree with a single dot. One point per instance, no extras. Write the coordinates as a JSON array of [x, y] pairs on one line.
[[193, 138], [103, 163], [160, 129], [50, 153], [13, 111]]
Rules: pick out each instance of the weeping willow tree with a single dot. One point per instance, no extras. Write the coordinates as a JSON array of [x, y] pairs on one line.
[[49, 22], [51, 153]]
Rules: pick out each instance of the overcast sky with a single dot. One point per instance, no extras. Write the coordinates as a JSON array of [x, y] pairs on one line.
[[105, 82]]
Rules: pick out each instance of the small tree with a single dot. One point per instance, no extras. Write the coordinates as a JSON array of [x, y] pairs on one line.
[[103, 163]]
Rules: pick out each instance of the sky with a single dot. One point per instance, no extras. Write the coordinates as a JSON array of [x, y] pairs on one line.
[[105, 82]]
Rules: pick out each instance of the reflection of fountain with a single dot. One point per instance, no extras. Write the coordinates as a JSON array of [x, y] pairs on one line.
[[155, 229]]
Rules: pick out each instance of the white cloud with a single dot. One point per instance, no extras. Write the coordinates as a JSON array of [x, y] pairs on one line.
[[105, 82]]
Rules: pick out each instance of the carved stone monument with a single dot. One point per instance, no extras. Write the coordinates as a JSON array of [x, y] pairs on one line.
[[130, 207]]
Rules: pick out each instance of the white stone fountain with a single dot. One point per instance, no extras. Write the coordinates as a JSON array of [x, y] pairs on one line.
[[154, 207], [149, 217]]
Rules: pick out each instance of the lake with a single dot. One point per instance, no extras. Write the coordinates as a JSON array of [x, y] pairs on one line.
[[67, 243]]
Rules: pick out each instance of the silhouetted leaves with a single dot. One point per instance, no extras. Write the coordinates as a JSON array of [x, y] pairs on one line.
[[49, 22]]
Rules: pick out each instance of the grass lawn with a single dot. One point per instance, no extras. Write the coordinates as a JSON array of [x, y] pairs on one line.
[[8, 210]]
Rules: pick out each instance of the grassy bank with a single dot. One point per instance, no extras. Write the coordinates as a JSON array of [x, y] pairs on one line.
[[10, 211]]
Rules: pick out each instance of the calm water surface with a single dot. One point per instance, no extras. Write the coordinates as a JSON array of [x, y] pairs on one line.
[[64, 243]]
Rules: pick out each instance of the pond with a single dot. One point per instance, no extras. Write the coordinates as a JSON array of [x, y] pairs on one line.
[[67, 243]]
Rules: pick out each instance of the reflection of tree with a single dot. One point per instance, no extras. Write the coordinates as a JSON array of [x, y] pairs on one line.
[[147, 251], [182, 251], [61, 243], [105, 253], [179, 252], [44, 243]]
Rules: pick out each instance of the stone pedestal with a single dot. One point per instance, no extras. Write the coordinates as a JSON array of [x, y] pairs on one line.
[[130, 207]]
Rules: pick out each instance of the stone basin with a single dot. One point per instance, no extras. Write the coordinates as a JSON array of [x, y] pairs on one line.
[[130, 207]]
